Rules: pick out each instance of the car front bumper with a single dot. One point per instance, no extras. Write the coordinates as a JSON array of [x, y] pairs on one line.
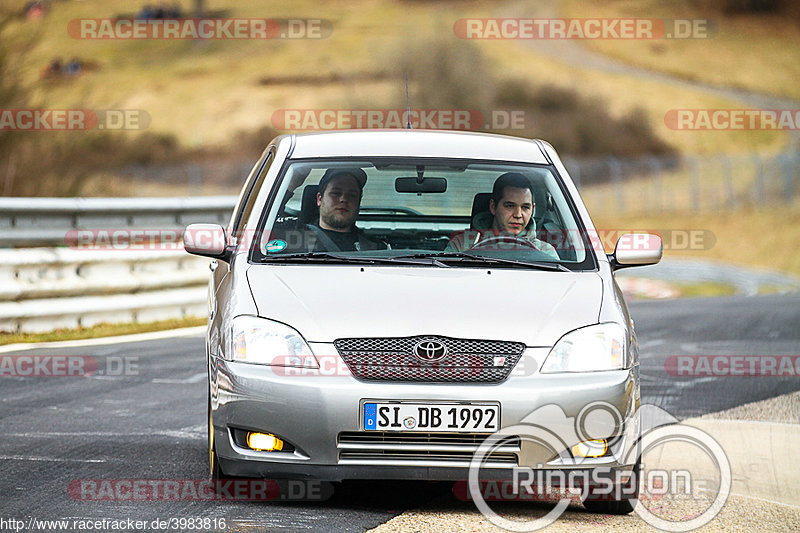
[[311, 412]]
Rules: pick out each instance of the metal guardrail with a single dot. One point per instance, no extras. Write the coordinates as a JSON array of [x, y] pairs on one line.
[[26, 222], [42, 289]]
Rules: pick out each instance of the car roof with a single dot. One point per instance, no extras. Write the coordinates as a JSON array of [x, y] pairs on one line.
[[415, 143]]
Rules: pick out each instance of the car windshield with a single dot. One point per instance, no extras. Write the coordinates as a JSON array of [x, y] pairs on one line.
[[436, 212]]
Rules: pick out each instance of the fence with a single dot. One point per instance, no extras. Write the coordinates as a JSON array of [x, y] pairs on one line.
[[690, 184], [638, 185]]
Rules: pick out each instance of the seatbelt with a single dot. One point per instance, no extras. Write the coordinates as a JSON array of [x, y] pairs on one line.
[[327, 242]]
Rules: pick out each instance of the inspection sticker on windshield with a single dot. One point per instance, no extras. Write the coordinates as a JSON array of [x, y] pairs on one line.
[[446, 417], [274, 246]]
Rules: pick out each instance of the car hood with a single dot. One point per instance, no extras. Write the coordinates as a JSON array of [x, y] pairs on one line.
[[329, 302]]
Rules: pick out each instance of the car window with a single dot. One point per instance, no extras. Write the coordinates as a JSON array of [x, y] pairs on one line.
[[427, 209], [257, 184], [244, 204]]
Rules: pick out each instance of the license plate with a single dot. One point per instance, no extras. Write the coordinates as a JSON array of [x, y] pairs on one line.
[[395, 416]]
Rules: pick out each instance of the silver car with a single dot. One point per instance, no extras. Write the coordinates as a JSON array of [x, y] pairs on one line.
[[378, 308]]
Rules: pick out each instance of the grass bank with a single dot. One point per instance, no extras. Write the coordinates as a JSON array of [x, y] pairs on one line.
[[100, 330], [761, 237], [753, 51]]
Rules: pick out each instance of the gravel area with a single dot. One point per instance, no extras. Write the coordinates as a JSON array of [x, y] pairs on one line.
[[739, 514], [784, 409], [742, 512]]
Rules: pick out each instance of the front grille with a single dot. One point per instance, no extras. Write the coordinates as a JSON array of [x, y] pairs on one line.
[[422, 449], [393, 359]]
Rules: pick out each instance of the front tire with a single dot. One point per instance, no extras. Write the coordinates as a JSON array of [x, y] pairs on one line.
[[214, 470], [609, 504]]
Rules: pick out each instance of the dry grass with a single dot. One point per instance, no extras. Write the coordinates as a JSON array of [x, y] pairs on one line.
[[764, 237], [755, 52], [100, 330], [204, 92], [622, 94]]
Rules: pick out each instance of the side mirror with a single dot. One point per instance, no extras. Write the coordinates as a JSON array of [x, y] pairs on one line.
[[636, 249], [207, 240]]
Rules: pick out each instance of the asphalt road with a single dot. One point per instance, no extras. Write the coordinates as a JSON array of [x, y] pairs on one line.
[[149, 423]]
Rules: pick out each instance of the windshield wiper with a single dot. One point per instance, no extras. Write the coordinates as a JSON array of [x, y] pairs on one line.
[[325, 257], [434, 259], [464, 256]]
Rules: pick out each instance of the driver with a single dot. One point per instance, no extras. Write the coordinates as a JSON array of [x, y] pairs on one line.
[[510, 214]]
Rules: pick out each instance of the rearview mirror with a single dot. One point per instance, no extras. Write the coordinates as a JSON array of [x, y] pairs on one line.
[[637, 249], [207, 240], [420, 185]]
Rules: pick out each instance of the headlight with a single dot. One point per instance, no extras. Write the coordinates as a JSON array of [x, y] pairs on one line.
[[266, 342], [589, 349]]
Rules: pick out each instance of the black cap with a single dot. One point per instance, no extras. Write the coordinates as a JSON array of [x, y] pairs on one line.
[[357, 173]]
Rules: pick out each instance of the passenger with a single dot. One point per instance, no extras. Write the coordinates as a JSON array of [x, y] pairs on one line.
[[338, 200], [510, 213]]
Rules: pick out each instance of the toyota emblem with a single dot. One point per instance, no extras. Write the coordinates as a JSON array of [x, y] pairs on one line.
[[430, 351]]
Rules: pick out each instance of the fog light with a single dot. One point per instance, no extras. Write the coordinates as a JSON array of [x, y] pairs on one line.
[[264, 442], [590, 448]]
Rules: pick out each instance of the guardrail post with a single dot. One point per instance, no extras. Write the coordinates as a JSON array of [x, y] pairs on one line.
[[695, 177], [615, 169], [758, 166], [575, 172], [655, 171], [786, 163], [196, 178], [727, 176]]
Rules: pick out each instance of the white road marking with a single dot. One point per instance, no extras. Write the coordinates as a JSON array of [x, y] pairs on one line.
[[197, 378], [186, 433], [53, 459]]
